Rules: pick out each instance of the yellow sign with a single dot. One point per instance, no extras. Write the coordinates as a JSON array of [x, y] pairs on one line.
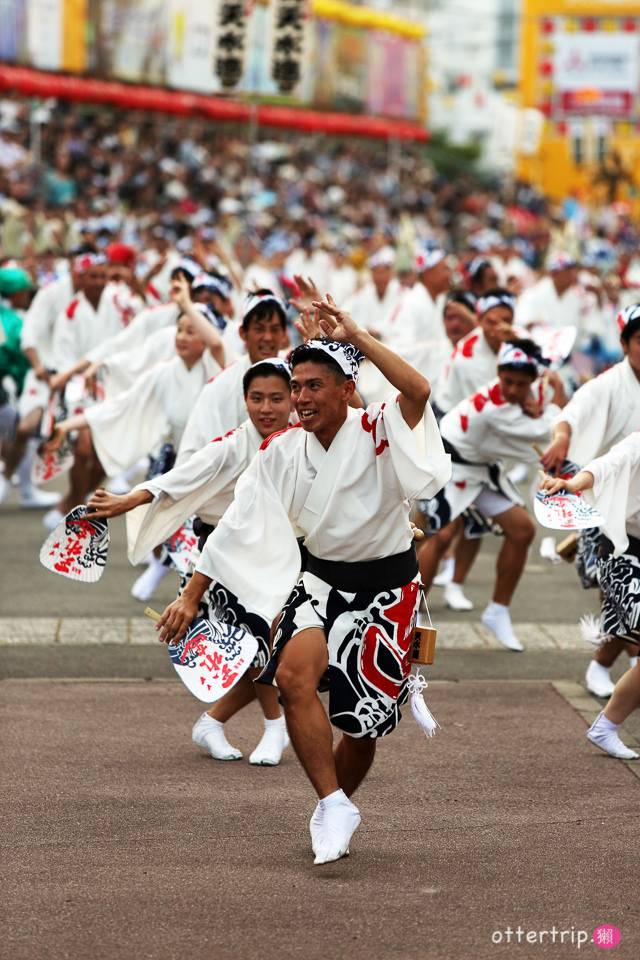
[[580, 72]]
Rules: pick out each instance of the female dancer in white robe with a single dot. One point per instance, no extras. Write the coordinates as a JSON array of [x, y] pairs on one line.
[[155, 409], [205, 484], [612, 485]]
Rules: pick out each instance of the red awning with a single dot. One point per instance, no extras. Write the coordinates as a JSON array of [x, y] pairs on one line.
[[33, 83]]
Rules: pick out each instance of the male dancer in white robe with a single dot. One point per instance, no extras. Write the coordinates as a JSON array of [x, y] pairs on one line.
[[341, 480], [612, 485], [472, 365], [600, 414], [502, 419]]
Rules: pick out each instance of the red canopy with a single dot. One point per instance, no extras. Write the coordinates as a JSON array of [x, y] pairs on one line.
[[33, 83]]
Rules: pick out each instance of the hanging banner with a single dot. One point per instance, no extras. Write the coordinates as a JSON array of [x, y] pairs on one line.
[[44, 34], [12, 30], [190, 46], [74, 36], [130, 41], [393, 71], [288, 42], [230, 42]]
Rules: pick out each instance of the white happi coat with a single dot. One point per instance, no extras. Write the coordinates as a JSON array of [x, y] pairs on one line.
[[418, 317], [137, 332], [602, 412], [79, 327], [121, 370], [40, 318], [429, 357], [541, 305], [203, 484], [373, 313], [37, 333], [219, 408], [349, 503], [472, 364], [483, 429], [153, 411], [616, 491]]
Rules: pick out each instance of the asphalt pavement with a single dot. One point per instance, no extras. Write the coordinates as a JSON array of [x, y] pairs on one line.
[[506, 835]]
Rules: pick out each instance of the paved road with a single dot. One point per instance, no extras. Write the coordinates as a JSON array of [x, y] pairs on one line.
[[122, 839]]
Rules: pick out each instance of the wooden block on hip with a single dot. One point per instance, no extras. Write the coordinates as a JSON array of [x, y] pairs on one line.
[[568, 547], [423, 645]]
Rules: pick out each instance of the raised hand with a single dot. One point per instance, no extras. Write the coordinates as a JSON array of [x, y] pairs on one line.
[[309, 293], [180, 292], [308, 324], [334, 322]]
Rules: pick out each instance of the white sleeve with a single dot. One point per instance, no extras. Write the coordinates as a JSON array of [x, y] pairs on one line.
[[126, 339], [418, 456], [203, 485], [37, 321], [253, 551], [65, 344], [613, 476]]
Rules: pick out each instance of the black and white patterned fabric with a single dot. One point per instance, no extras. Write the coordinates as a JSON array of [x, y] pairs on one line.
[[586, 561], [218, 603], [619, 579], [368, 642], [162, 462]]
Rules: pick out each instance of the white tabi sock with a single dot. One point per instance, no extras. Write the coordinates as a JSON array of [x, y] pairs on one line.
[[603, 733], [275, 740], [496, 617], [209, 734], [446, 574], [598, 680], [148, 582], [633, 661], [340, 821], [31, 496], [315, 826]]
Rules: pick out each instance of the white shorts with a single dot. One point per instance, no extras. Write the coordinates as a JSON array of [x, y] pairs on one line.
[[492, 503], [35, 394]]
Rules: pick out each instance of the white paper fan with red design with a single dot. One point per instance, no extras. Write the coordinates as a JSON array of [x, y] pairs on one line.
[[78, 546]]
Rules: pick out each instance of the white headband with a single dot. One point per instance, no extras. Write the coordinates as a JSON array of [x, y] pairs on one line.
[[425, 259], [495, 300], [627, 315], [256, 299], [206, 281], [211, 315], [274, 362], [345, 355], [513, 356], [476, 265]]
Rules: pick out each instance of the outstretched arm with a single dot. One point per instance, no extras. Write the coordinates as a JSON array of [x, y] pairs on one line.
[[414, 388], [104, 504], [62, 429], [556, 453], [581, 481], [175, 620]]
